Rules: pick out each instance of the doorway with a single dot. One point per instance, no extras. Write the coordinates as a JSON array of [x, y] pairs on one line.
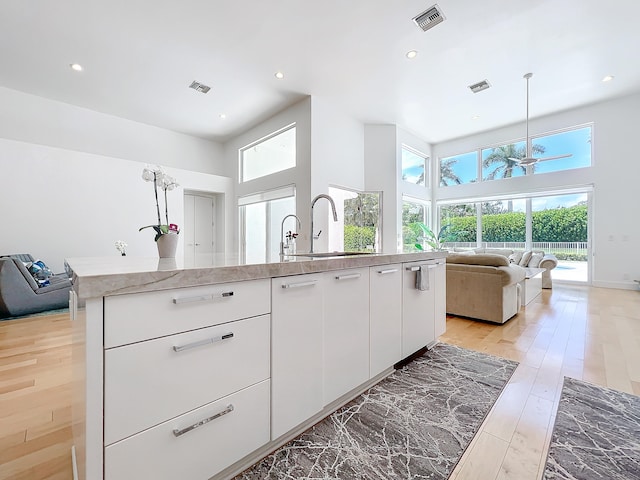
[[200, 228]]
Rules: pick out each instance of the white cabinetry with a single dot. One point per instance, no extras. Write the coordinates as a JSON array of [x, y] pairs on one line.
[[296, 351], [226, 430], [186, 380], [420, 308], [345, 332], [385, 307]]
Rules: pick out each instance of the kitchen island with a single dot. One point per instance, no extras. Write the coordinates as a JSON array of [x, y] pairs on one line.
[[198, 371]]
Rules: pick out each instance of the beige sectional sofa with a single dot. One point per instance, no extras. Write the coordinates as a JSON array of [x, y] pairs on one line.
[[531, 258], [483, 286]]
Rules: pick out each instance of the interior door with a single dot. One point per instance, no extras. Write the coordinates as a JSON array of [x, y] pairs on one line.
[[199, 231]]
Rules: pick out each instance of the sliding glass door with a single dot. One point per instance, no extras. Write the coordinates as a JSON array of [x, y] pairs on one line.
[[560, 225]]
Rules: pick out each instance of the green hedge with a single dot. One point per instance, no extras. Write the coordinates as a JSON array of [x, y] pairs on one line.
[[553, 225], [358, 238]]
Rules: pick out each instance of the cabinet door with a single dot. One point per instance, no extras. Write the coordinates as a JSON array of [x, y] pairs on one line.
[[385, 305], [346, 331], [296, 350], [417, 309], [440, 297]]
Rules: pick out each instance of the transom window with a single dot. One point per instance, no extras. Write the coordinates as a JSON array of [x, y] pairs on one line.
[[269, 155], [572, 146], [414, 166], [459, 169]]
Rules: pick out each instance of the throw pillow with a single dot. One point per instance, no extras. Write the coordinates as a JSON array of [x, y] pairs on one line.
[[524, 261], [515, 257], [40, 273], [534, 261]]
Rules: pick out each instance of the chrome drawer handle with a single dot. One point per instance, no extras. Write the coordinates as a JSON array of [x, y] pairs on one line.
[[413, 269], [177, 432], [202, 298], [349, 276], [385, 272], [202, 343], [301, 284]]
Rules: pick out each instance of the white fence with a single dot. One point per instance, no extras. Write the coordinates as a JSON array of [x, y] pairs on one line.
[[549, 247]]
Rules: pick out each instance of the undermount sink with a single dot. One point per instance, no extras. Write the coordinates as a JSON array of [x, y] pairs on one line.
[[330, 254]]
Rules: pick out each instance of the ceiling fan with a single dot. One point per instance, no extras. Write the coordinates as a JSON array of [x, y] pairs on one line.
[[529, 159]]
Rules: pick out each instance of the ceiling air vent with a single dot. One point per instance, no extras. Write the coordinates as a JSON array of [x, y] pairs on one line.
[[478, 87], [429, 18], [199, 87]]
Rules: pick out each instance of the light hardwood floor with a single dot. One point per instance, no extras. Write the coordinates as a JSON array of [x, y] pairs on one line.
[[586, 333]]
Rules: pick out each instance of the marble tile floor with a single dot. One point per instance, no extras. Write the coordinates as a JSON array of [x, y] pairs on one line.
[[415, 424], [596, 434]]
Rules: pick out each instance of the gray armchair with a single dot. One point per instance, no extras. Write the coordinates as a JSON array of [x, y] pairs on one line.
[[20, 293]]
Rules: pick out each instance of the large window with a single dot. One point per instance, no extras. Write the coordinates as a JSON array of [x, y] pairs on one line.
[[414, 166], [460, 224], [504, 223], [575, 142], [359, 221], [261, 218], [414, 213], [269, 155], [459, 169], [501, 162], [554, 224]]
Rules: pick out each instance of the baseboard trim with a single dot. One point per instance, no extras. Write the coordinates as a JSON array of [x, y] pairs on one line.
[[626, 285]]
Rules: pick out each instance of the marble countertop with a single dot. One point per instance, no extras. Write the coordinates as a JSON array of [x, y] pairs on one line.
[[104, 276]]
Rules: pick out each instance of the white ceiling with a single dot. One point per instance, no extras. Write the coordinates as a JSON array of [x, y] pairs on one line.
[[139, 57]]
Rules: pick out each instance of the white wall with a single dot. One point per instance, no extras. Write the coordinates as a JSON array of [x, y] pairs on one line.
[[383, 172], [71, 183], [300, 114], [41, 121], [337, 159], [59, 203], [614, 175]]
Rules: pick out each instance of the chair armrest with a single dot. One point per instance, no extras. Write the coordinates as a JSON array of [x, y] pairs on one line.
[[549, 261]]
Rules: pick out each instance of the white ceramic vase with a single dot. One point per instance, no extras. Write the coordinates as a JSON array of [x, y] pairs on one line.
[[167, 245]]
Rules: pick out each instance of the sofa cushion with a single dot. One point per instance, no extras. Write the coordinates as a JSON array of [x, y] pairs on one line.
[[515, 257], [524, 261], [534, 261], [488, 259]]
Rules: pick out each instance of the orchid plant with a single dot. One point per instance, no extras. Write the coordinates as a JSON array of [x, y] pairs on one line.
[[166, 183]]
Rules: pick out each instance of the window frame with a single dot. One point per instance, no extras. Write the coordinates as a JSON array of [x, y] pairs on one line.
[[241, 166]]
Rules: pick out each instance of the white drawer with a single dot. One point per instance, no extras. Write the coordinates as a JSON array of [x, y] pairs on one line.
[[146, 383], [140, 316], [200, 453]]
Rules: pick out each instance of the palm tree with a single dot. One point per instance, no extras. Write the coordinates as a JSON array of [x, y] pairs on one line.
[[500, 160], [447, 174]]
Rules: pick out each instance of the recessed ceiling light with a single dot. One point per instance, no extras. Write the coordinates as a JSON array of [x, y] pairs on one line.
[[475, 117], [76, 66], [608, 78], [412, 54], [223, 116], [279, 75]]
